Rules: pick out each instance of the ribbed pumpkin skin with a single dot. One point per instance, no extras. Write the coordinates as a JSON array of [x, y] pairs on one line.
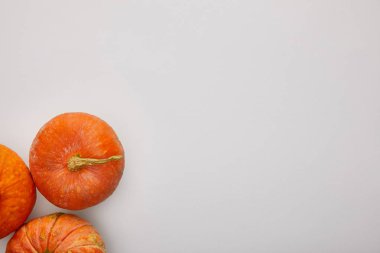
[[75, 134], [17, 191], [58, 233]]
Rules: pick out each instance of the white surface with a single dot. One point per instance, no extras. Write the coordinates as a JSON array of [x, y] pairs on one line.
[[249, 126]]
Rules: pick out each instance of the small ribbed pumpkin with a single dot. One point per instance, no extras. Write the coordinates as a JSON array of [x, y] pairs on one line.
[[58, 233]]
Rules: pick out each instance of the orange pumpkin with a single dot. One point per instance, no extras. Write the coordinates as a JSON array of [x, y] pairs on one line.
[[17, 191], [59, 233], [76, 160]]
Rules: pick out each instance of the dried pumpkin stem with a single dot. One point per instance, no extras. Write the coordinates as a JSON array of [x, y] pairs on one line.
[[76, 162]]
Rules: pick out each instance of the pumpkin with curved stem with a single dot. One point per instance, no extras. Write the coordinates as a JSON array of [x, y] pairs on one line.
[[17, 191], [76, 160], [58, 233]]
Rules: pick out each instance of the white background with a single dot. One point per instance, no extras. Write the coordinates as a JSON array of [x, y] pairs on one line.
[[249, 126]]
